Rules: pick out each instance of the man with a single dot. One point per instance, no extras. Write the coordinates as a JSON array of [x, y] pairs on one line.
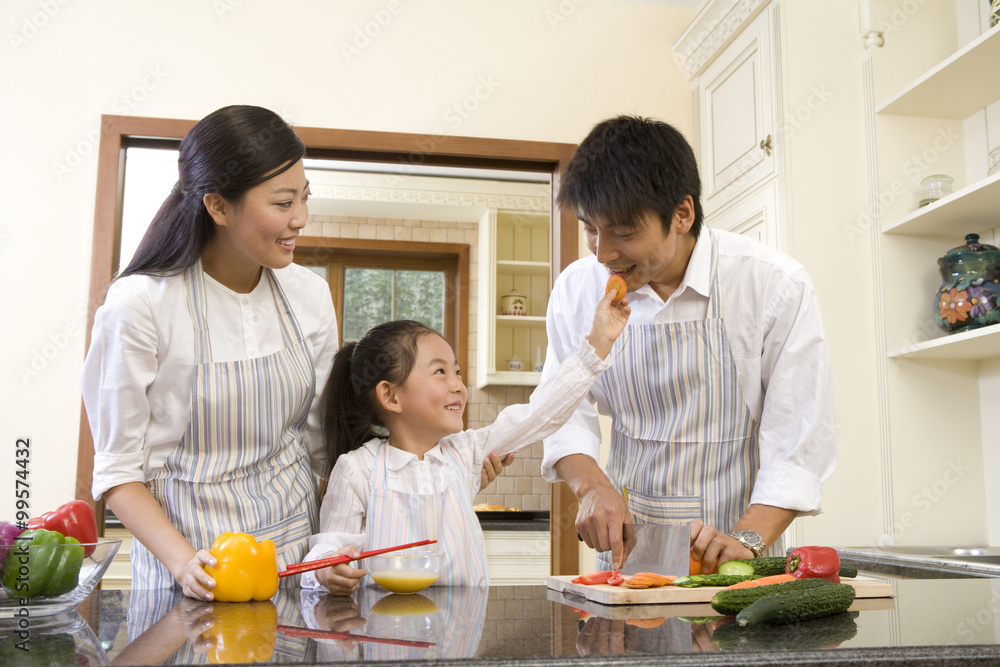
[[721, 392]]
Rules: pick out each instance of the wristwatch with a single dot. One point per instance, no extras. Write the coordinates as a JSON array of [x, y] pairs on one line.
[[751, 539]]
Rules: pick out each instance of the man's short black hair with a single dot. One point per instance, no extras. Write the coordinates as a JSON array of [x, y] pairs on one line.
[[630, 164]]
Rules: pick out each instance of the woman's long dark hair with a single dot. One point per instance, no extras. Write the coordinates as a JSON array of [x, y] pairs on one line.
[[228, 152], [350, 407]]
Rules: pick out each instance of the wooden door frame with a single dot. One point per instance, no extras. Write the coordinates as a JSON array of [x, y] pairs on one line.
[[119, 132]]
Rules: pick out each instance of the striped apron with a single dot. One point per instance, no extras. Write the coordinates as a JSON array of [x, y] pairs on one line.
[[397, 517], [683, 441], [241, 465]]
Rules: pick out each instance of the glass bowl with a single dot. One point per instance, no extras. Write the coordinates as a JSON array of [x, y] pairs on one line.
[[405, 616], [406, 573], [94, 567], [61, 639]]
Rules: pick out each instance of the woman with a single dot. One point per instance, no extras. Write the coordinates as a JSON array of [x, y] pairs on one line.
[[201, 382]]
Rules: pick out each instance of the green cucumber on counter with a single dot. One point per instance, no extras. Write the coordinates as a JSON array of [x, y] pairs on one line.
[[767, 566], [732, 601], [696, 580], [797, 605]]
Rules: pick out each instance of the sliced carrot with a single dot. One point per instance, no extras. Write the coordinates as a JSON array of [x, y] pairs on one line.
[[645, 622], [648, 580], [764, 581]]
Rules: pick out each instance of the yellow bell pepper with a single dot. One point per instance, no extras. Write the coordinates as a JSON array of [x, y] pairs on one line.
[[242, 633], [246, 570]]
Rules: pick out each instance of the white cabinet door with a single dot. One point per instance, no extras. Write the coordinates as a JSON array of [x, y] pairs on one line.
[[736, 113], [755, 215]]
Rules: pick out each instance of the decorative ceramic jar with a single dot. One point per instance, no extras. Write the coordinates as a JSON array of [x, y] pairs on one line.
[[515, 363], [513, 303], [967, 298]]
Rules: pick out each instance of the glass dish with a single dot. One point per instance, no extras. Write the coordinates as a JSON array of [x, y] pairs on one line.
[[63, 639], [406, 573], [935, 187], [94, 567]]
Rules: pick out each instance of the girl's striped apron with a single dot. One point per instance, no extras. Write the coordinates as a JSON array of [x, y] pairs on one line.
[[241, 465], [683, 441], [397, 517]]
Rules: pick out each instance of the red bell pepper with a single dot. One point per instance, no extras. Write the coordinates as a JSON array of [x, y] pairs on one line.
[[595, 578], [814, 563], [73, 519], [616, 578]]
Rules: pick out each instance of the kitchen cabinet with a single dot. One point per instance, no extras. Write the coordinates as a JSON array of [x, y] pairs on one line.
[[791, 72], [736, 97], [933, 103], [513, 256]]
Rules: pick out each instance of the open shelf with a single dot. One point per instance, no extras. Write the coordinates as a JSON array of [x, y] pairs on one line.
[[516, 378], [957, 87], [969, 210], [972, 345], [520, 321], [523, 268]]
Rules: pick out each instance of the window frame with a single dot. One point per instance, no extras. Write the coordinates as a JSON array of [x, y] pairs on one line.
[[395, 148]]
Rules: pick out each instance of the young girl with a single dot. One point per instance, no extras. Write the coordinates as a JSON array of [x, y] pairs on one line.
[[419, 482], [208, 357]]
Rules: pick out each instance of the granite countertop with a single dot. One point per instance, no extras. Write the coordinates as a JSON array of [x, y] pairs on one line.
[[937, 621]]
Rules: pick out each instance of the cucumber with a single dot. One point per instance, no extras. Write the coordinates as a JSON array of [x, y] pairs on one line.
[[797, 605], [815, 634], [767, 566], [737, 567], [848, 571], [730, 602], [695, 580]]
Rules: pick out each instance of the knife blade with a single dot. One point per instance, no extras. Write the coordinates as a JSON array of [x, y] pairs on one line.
[[661, 548]]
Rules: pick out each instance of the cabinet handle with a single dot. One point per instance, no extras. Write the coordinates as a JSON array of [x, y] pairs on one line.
[[767, 146]]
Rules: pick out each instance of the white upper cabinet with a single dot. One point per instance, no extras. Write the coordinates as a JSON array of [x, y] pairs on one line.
[[736, 114]]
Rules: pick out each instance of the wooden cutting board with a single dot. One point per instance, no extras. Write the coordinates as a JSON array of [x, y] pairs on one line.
[[604, 594]]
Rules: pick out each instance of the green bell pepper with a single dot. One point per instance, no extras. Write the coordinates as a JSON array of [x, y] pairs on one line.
[[38, 650], [42, 563]]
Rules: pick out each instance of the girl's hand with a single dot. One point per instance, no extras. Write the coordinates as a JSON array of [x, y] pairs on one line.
[[341, 579], [493, 465], [194, 581], [609, 322]]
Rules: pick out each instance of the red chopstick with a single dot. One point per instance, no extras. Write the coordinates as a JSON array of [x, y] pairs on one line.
[[292, 631], [299, 568]]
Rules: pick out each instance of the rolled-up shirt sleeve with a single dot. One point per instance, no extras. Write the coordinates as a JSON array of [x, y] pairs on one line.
[[119, 367], [797, 425]]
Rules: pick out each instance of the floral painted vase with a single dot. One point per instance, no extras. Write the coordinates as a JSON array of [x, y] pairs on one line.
[[967, 298]]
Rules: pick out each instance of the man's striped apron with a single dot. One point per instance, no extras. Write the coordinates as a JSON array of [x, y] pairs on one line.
[[241, 465], [397, 517], [683, 441]]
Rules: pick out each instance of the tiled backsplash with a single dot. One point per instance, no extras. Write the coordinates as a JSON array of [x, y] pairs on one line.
[[521, 486]]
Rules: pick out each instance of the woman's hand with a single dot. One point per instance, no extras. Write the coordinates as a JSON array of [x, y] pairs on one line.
[[609, 322], [493, 465], [341, 579], [194, 581]]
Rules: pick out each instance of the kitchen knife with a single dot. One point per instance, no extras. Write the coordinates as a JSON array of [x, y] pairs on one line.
[[663, 548]]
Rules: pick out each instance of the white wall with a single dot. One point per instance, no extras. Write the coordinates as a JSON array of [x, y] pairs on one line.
[[543, 70]]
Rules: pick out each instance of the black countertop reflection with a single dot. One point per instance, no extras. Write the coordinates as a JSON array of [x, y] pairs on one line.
[[933, 621]]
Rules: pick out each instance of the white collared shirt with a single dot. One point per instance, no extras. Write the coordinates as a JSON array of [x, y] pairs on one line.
[[138, 372], [344, 509], [776, 336]]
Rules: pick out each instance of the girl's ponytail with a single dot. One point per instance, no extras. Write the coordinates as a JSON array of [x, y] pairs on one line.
[[348, 417]]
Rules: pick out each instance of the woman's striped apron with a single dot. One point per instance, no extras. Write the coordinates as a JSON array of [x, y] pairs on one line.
[[241, 465], [683, 441], [397, 517]]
